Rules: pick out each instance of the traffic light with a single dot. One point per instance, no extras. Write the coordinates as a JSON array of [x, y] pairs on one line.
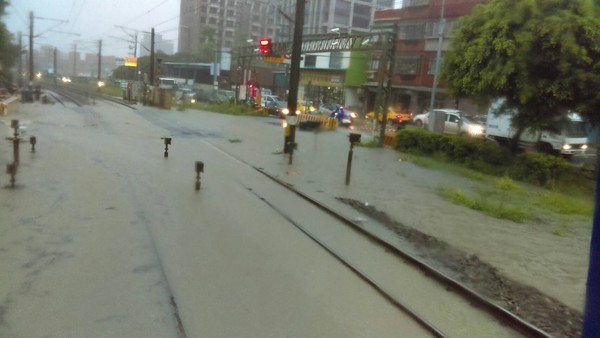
[[251, 89], [265, 46]]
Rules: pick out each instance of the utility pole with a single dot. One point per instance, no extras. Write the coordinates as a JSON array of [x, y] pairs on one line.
[[295, 71], [99, 60], [216, 71], [152, 56], [30, 49], [54, 62], [75, 59], [438, 58], [20, 81], [386, 81]]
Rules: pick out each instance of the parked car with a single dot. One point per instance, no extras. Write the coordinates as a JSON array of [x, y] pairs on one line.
[[185, 92], [265, 100], [455, 122], [222, 96]]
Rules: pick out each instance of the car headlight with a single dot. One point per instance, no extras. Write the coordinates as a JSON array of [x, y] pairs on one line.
[[584, 147], [566, 147], [475, 130], [353, 115], [285, 111]]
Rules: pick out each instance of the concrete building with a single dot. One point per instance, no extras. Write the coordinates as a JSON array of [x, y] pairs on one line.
[[237, 23], [323, 75], [233, 22], [416, 49]]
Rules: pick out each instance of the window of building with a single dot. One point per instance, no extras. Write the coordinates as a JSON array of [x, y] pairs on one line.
[[374, 64], [212, 21], [310, 61], [415, 3], [342, 11], [214, 10], [412, 31], [362, 16], [431, 65], [408, 65], [335, 60]]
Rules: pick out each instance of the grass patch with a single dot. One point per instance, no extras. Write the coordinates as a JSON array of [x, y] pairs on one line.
[[229, 109], [495, 208], [370, 144], [562, 230], [505, 183], [438, 163], [565, 205]]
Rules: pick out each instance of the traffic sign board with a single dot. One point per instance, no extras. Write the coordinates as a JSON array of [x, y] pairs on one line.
[[274, 59]]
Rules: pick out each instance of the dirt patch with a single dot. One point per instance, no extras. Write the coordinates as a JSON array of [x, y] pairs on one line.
[[524, 301]]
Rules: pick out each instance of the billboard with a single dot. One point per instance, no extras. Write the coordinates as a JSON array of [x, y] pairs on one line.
[[130, 62]]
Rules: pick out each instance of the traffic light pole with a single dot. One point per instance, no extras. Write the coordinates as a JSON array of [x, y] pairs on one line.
[[295, 72]]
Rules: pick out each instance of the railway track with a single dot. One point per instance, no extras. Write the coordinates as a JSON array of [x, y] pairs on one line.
[[79, 97], [503, 316]]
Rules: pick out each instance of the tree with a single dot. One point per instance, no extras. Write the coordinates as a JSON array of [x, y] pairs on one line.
[[207, 43], [9, 52], [543, 56]]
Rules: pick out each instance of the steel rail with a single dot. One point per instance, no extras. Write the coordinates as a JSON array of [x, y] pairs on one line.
[[497, 311]]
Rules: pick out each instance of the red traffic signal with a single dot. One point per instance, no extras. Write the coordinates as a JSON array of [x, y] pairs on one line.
[[265, 46]]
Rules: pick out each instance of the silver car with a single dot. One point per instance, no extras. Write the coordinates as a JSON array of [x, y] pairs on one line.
[[454, 123]]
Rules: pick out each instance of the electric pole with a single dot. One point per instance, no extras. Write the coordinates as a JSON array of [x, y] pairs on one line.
[[152, 56], [99, 60], [30, 49], [55, 63], [75, 59], [20, 61], [295, 71]]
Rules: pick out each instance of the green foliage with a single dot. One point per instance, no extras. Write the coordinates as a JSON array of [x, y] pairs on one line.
[[540, 169], [543, 56], [505, 183], [9, 53], [491, 158], [229, 109], [566, 205], [498, 210]]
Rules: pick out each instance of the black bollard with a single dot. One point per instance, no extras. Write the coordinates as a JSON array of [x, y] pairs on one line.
[[32, 141], [167, 143], [15, 125], [354, 138], [199, 169], [11, 169]]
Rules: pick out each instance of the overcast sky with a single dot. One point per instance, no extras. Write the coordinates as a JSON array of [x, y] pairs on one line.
[[93, 20]]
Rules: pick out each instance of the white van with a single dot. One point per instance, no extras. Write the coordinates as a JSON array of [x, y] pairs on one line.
[[265, 100]]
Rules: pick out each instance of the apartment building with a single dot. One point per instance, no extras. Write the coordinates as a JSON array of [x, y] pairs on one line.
[[233, 21], [419, 23]]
